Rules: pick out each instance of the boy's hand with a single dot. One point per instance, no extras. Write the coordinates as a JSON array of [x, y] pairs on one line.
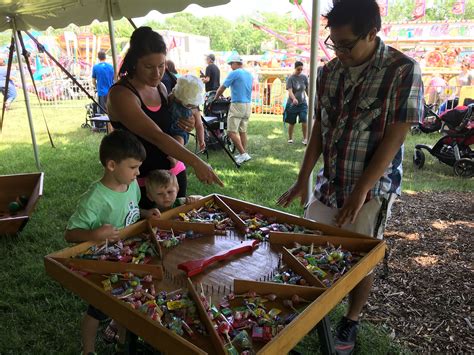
[[193, 198], [153, 213], [107, 231]]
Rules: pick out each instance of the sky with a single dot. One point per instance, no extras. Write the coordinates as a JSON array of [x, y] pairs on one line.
[[237, 8]]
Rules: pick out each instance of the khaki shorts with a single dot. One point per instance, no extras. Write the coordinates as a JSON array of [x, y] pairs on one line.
[[238, 118], [371, 220]]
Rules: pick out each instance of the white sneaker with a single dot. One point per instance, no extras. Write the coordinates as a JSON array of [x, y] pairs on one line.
[[304, 141], [242, 158]]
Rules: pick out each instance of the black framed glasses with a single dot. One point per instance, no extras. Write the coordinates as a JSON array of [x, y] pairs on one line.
[[346, 49]]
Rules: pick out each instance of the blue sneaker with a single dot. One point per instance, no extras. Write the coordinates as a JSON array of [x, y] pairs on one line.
[[346, 336]]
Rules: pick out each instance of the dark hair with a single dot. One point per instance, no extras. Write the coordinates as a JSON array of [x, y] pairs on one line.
[[120, 145], [298, 64], [101, 55], [362, 15], [212, 57], [171, 67], [144, 41], [160, 178]]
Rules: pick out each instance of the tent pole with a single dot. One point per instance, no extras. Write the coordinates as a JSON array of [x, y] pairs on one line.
[[25, 93], [313, 70], [110, 19]]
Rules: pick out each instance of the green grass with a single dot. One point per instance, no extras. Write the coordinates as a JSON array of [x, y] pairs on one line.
[[37, 314]]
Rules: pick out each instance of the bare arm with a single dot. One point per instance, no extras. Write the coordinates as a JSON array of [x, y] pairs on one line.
[[124, 105], [199, 130], [220, 91], [383, 156], [107, 231], [292, 97], [311, 156]]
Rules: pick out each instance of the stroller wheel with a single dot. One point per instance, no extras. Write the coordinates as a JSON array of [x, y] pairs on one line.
[[415, 130], [464, 168], [418, 158], [230, 145]]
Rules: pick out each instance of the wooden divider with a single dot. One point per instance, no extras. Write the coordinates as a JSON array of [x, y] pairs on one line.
[[283, 217]]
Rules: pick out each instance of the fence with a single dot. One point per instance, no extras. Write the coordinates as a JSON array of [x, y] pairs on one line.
[[268, 97]]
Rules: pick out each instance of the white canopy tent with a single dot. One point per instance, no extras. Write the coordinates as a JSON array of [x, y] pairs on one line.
[[23, 15]]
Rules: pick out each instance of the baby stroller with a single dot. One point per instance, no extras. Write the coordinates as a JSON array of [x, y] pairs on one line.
[[453, 148], [95, 120], [215, 122], [431, 121]]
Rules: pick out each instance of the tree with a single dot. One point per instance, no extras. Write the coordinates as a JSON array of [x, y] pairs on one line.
[[437, 10]]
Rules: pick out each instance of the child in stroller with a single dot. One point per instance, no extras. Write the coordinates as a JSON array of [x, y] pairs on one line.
[[215, 116], [453, 148]]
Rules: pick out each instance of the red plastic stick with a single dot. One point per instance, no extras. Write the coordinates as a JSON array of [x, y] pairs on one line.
[[194, 267]]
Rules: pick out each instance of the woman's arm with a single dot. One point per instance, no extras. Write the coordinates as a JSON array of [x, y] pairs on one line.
[[124, 106]]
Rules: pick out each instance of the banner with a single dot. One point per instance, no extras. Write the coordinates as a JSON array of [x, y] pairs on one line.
[[419, 10], [383, 5], [459, 7]]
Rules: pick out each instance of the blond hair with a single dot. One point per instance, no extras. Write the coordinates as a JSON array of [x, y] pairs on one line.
[[160, 178]]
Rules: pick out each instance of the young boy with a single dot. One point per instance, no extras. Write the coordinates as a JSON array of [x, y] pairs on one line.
[[162, 188], [109, 205]]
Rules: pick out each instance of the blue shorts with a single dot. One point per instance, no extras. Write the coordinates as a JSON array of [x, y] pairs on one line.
[[293, 111]]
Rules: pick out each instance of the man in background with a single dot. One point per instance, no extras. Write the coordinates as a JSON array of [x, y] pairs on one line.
[[240, 82], [212, 77], [102, 78]]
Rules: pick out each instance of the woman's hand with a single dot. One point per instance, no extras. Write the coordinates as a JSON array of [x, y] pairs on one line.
[[205, 173], [187, 123], [297, 189]]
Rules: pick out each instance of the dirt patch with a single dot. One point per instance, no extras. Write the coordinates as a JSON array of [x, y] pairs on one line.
[[426, 297]]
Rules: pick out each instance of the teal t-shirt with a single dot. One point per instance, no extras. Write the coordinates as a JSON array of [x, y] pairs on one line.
[[101, 205]]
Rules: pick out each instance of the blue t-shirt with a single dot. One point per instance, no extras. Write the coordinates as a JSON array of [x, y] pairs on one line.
[[104, 74], [240, 83]]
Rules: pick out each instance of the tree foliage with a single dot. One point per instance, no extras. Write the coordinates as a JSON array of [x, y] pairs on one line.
[[436, 10], [242, 36]]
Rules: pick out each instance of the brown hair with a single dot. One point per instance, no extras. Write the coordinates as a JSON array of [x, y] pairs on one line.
[[160, 178]]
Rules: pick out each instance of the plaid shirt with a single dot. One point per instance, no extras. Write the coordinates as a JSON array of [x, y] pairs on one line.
[[354, 119]]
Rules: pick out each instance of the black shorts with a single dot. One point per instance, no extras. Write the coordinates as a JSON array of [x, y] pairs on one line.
[[96, 313]]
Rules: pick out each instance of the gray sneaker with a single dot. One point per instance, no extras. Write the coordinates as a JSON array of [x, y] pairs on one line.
[[346, 336]]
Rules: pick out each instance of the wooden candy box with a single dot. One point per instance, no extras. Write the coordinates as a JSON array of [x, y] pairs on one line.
[[323, 299], [285, 340], [86, 282], [15, 188], [373, 251]]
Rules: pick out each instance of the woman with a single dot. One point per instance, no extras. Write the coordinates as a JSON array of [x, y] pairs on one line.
[[138, 103], [296, 106]]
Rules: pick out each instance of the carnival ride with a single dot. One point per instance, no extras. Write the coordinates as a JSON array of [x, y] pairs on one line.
[[269, 94]]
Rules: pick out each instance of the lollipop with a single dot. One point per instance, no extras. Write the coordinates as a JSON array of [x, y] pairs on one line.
[[289, 304], [224, 328], [297, 299], [271, 297]]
